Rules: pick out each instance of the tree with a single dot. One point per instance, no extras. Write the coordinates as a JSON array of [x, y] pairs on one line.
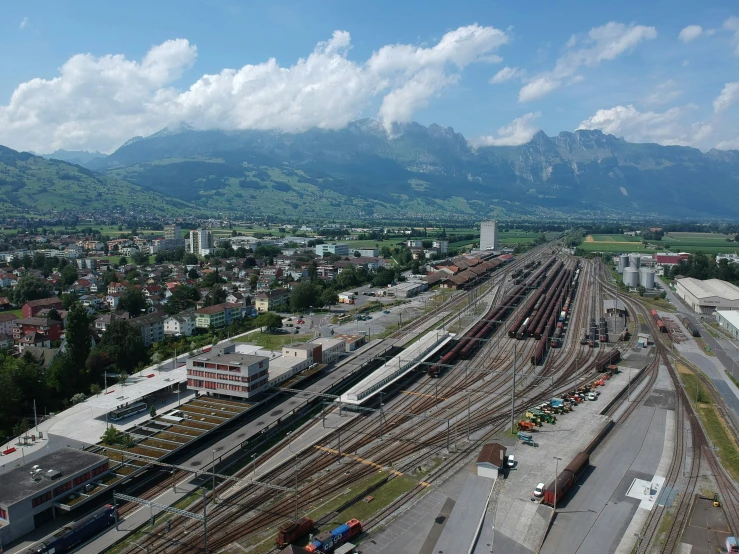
[[116, 437], [152, 412], [216, 295], [28, 288], [123, 344], [183, 297], [193, 273], [140, 258], [78, 337], [357, 254], [303, 296], [69, 275], [122, 261], [190, 259], [329, 298], [212, 278], [416, 267], [55, 315], [133, 301], [270, 320], [68, 299], [109, 277]]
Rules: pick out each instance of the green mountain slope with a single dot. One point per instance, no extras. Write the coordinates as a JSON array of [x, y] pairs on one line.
[[32, 184]]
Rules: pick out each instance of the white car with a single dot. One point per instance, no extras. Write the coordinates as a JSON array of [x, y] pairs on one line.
[[510, 462], [592, 396], [539, 490]]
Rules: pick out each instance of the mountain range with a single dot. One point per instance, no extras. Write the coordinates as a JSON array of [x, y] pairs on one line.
[[362, 170]]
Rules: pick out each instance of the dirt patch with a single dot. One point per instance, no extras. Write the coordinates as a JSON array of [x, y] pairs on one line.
[[589, 238]]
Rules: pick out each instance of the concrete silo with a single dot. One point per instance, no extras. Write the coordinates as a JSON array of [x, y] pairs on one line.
[[631, 277], [646, 277]]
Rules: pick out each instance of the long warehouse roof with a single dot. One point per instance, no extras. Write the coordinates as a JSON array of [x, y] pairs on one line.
[[709, 288]]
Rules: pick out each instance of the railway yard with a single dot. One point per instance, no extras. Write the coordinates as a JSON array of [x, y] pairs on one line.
[[527, 357]]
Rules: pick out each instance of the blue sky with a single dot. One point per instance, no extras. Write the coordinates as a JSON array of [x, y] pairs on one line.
[[90, 75]]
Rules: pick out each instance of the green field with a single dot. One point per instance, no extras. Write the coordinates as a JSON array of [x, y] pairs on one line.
[[615, 238], [708, 243]]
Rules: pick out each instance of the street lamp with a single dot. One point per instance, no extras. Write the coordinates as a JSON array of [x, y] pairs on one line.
[[556, 474], [254, 464], [213, 468]]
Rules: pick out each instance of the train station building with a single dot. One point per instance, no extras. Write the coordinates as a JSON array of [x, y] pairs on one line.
[[32, 494]]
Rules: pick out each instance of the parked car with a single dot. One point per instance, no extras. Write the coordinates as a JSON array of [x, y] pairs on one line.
[[539, 490], [592, 396], [386, 311], [510, 461]]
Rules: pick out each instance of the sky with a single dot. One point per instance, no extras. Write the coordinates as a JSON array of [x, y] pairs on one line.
[[82, 75]]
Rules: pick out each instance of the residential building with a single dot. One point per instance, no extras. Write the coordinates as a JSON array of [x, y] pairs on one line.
[[336, 249], [310, 352], [33, 307], [103, 322], [368, 252], [441, 245], [173, 232], [201, 242], [489, 235], [6, 341], [116, 288], [223, 371], [352, 341], [6, 323], [30, 494], [37, 330], [271, 300], [182, 324], [151, 327], [704, 297], [211, 317]]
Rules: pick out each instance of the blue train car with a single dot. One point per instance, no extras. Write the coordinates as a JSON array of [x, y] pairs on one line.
[[328, 541], [76, 532]]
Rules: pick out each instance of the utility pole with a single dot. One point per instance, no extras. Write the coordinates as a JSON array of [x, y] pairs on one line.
[[339, 461], [513, 391], [468, 415], [296, 487], [213, 468], [35, 418], [205, 522]]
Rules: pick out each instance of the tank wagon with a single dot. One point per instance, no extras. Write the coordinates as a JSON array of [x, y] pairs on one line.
[[658, 320], [691, 328]]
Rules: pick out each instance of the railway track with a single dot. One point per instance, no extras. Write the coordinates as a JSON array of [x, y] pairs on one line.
[[225, 527]]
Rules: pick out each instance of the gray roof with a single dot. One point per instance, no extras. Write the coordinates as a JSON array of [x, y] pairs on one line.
[[244, 359], [611, 304], [17, 483]]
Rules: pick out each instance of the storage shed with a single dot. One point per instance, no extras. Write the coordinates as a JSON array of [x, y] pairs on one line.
[[491, 460]]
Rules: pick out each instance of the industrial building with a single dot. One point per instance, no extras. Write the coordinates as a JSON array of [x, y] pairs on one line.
[[331, 348], [31, 494], [704, 297], [489, 235], [223, 371], [407, 289], [336, 249], [729, 320]]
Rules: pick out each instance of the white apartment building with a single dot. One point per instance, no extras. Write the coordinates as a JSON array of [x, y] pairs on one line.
[[201, 242], [182, 324], [336, 249], [489, 235]]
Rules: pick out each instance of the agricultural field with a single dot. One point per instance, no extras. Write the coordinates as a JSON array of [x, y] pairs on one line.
[[707, 243]]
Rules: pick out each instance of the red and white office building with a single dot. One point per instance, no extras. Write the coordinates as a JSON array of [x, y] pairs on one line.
[[225, 372]]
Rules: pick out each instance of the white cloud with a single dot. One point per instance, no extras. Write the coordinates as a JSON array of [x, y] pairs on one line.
[[689, 33], [518, 131], [668, 127], [664, 93], [728, 96], [732, 24], [24, 23], [506, 74], [601, 44], [99, 102]]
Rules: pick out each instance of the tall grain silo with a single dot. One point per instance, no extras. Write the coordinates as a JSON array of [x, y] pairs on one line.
[[634, 260], [646, 277], [624, 261], [631, 277]]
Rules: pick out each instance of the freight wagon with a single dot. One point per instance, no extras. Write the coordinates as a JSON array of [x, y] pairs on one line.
[[293, 531], [76, 532], [567, 477], [691, 328], [611, 358]]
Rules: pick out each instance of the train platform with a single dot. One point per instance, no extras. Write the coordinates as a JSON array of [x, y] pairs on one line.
[[399, 366], [521, 519]]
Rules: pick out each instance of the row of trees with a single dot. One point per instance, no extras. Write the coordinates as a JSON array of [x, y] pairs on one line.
[[701, 266]]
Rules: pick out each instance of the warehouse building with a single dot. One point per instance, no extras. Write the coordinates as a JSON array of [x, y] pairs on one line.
[[331, 348], [729, 320], [704, 297], [223, 371], [32, 494]]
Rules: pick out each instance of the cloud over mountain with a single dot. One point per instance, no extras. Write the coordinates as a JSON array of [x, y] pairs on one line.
[[99, 102]]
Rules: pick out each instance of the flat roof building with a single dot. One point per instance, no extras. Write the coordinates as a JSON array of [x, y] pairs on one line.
[[31, 494], [331, 348], [223, 371], [729, 320], [704, 297]]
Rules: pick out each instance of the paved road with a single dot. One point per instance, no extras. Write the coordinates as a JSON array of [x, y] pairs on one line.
[[595, 516]]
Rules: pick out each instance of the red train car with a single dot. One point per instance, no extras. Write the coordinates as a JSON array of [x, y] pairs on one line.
[[293, 531], [567, 477]]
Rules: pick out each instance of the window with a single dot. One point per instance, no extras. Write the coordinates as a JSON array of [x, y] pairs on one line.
[[63, 488], [3, 514], [40, 499]]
